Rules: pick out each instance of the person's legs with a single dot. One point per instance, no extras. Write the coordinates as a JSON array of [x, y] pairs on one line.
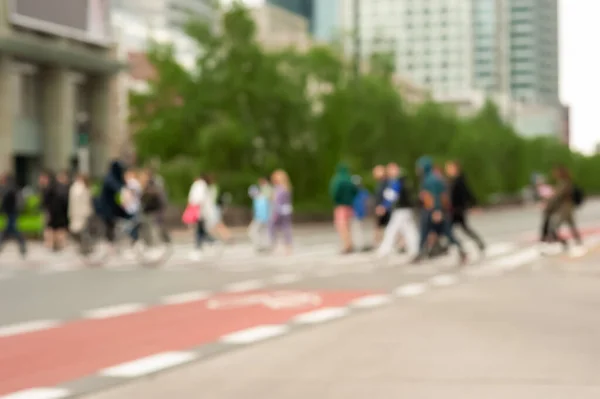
[[342, 216], [200, 234], [425, 228], [159, 219], [9, 229], [556, 222], [574, 230], [390, 234], [273, 226], [13, 229], [253, 232], [545, 233], [382, 222], [358, 233], [48, 241], [222, 231], [460, 218], [60, 238], [452, 240], [286, 230], [408, 230], [263, 234]]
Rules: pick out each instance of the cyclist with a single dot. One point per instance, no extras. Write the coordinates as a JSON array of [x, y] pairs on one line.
[[132, 204], [107, 203], [154, 202]]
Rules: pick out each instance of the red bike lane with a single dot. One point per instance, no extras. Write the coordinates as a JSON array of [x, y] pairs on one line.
[[82, 348]]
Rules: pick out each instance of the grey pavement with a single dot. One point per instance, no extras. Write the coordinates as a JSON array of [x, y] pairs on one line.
[[522, 335], [482, 338], [60, 287]]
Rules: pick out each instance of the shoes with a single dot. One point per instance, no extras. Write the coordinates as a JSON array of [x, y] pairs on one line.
[[129, 254], [416, 260], [577, 251], [347, 251], [547, 248], [195, 256]]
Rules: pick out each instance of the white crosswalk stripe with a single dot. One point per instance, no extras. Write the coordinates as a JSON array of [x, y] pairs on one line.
[[318, 260]]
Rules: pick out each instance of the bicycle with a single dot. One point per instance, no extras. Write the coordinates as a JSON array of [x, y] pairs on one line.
[[95, 250]]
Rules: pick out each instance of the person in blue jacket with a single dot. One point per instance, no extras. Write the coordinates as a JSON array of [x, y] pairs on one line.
[[359, 207], [261, 206], [398, 201]]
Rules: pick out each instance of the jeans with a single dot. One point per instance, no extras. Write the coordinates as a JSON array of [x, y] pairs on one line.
[[202, 234], [12, 231], [444, 227]]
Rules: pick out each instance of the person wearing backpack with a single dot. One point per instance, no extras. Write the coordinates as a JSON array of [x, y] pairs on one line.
[[560, 209], [10, 206]]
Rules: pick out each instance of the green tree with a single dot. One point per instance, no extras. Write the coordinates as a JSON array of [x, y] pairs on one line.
[[243, 112]]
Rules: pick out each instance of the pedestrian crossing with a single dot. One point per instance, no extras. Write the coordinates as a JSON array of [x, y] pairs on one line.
[[320, 259]]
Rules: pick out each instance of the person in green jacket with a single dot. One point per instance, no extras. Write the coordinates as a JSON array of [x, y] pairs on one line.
[[343, 191]]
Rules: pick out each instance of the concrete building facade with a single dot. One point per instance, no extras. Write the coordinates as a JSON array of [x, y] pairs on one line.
[[462, 48], [278, 28], [454, 46], [56, 87], [322, 16]]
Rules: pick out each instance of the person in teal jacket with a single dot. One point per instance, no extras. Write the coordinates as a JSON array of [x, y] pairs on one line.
[[261, 207], [343, 192], [435, 205]]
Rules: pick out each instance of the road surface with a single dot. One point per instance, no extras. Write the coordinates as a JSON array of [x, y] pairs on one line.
[[483, 331]]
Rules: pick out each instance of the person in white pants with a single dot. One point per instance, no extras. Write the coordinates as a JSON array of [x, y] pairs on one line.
[[397, 198]]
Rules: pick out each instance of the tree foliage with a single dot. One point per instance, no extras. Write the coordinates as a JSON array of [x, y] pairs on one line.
[[244, 111]]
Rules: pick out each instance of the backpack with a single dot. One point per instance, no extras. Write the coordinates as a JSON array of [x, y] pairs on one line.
[[578, 195]]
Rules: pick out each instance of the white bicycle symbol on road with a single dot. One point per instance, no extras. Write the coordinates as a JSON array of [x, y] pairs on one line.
[[273, 300]]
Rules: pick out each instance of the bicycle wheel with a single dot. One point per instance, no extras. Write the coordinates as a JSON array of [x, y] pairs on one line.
[[154, 247], [93, 249]]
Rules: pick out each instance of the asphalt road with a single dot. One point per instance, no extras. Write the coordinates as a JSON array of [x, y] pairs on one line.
[[66, 330]]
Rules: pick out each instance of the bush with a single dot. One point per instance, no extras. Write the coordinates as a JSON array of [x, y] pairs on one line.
[[28, 224]]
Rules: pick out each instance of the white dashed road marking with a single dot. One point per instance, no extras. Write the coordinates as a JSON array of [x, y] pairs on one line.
[[28, 327], [255, 334], [321, 315], [148, 365], [114, 311], [185, 297], [371, 301], [410, 290], [242, 286]]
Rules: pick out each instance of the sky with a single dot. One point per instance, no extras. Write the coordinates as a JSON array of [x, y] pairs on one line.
[[579, 68]]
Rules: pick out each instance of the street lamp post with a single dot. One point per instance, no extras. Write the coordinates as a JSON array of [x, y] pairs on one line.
[[357, 41]]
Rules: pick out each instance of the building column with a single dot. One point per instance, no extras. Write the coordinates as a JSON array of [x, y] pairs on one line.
[[7, 114], [99, 125], [58, 111], [107, 140]]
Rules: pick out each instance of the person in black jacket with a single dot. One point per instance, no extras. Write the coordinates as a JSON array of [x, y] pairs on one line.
[[461, 199], [380, 177], [10, 206], [107, 206]]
